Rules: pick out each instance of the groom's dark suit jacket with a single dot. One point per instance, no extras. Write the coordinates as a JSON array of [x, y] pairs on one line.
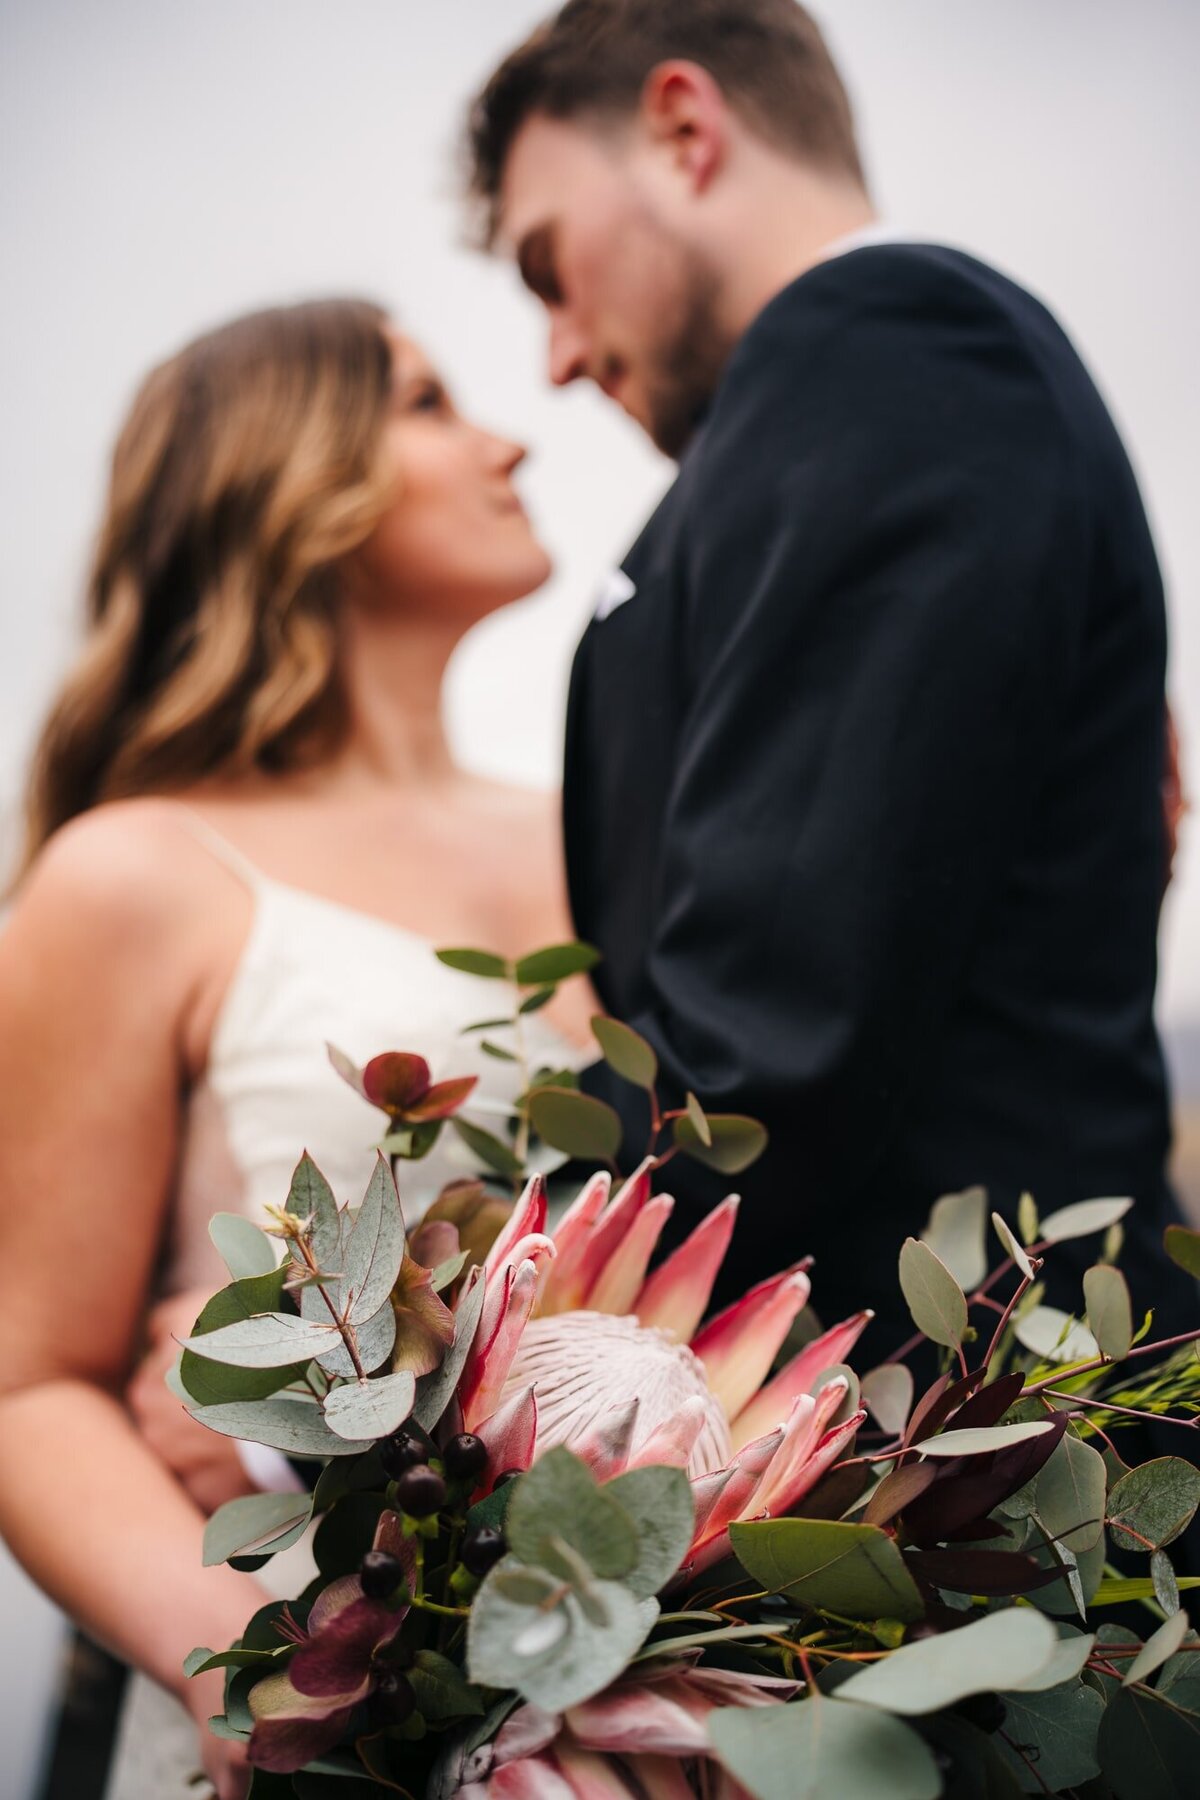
[[863, 782]]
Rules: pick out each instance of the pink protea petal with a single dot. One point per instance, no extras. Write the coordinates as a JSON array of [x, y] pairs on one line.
[[711, 1541], [663, 1778], [526, 1732], [772, 1404], [620, 1281], [487, 1368], [592, 1777], [632, 1718], [610, 1229], [532, 1778], [798, 1473], [564, 1286], [738, 1347], [706, 1491], [676, 1294], [673, 1442], [810, 1415], [510, 1434], [604, 1444], [528, 1215]]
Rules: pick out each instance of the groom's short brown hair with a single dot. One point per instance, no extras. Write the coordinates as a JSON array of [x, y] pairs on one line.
[[593, 56]]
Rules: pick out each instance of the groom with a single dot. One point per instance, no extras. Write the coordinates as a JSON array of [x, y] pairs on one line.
[[865, 739]]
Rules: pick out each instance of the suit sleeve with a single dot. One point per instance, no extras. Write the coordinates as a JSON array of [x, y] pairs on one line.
[[882, 634]]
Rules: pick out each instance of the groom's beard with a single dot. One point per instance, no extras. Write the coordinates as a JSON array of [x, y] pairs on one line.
[[683, 371]]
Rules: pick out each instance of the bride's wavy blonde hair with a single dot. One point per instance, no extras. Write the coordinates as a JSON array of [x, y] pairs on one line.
[[247, 470]]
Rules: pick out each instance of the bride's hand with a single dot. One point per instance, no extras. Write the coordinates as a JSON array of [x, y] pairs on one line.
[[203, 1462]]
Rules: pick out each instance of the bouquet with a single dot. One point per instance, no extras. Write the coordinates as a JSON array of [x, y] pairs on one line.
[[576, 1540]]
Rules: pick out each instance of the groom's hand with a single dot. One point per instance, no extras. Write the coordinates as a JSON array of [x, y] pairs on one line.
[[204, 1463]]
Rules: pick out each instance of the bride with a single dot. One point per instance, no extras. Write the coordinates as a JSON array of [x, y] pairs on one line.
[[245, 833]]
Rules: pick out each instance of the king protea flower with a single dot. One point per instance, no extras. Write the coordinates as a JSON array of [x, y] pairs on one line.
[[578, 1345], [630, 1742]]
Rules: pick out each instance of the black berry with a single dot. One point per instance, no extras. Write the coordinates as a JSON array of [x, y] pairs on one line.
[[508, 1475], [420, 1491], [465, 1457], [482, 1549], [381, 1574], [404, 1450], [392, 1699]]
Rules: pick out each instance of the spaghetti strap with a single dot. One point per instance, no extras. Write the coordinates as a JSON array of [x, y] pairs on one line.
[[220, 847]]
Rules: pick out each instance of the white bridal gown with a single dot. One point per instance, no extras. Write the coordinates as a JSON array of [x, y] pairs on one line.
[[311, 972]]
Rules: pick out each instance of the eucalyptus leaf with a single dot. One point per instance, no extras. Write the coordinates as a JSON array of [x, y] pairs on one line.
[[540, 997], [887, 1393], [492, 1151], [1027, 1219], [855, 1570], [1057, 1731], [989, 1655], [1166, 1588], [243, 1248], [821, 1748], [449, 1271], [370, 1409], [311, 1197], [1109, 1312], [1082, 1219], [283, 1422], [557, 963], [1158, 1648], [267, 1341], [1152, 1505], [576, 1123], [1182, 1245], [375, 1246], [221, 1384], [956, 1233], [498, 1052], [1149, 1749], [737, 1141], [1065, 1664], [374, 1341], [981, 1440], [625, 1051], [249, 1520], [476, 962], [658, 1502], [850, 1404], [935, 1300], [560, 1494], [1012, 1247], [556, 1658], [1055, 1336], [1069, 1494]]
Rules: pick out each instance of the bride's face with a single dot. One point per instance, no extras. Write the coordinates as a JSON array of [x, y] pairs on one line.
[[457, 542]]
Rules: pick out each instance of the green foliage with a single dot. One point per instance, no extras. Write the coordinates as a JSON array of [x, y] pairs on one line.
[[476, 962], [558, 963], [212, 1382], [1109, 1312], [1153, 1504], [736, 1141], [252, 1521], [956, 1232], [821, 1748], [625, 1052], [855, 1570], [577, 1124], [1182, 1245], [933, 1297]]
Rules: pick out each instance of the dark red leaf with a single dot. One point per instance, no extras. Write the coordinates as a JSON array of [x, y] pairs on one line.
[[989, 1405], [937, 1403], [444, 1098], [336, 1660], [979, 1571], [967, 1489], [396, 1080], [898, 1490], [283, 1743]]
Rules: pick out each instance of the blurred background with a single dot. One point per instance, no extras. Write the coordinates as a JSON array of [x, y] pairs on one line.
[[168, 166]]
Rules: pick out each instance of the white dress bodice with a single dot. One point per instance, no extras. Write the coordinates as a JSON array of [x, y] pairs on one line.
[[313, 972]]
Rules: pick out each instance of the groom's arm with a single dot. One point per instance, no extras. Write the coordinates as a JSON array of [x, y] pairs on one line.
[[885, 587]]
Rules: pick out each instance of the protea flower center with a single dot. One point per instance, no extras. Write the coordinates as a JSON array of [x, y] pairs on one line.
[[585, 1364]]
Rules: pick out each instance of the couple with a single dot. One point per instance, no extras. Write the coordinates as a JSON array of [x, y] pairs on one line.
[[864, 763]]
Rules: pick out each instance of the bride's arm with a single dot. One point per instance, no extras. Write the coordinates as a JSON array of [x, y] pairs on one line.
[[95, 986]]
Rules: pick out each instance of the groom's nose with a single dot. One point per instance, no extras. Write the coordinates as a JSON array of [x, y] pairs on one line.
[[568, 350]]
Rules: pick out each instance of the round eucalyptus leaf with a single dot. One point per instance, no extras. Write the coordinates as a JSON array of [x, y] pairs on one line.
[[935, 1300], [625, 1051], [1152, 1505], [1182, 1245], [987, 1656], [1083, 1218], [1109, 1312], [1012, 1247], [370, 1409], [816, 1748], [1055, 1336], [576, 1123], [887, 1393], [956, 1233], [737, 1141]]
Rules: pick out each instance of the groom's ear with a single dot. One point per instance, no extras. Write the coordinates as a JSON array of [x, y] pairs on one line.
[[683, 111]]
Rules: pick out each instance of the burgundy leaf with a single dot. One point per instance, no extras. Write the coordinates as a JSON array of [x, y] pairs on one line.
[[444, 1098], [989, 1405], [396, 1080], [898, 1490], [979, 1571], [937, 1403], [282, 1745], [337, 1659], [977, 1531], [967, 1489]]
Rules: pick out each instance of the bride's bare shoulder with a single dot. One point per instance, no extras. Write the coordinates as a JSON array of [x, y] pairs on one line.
[[123, 866]]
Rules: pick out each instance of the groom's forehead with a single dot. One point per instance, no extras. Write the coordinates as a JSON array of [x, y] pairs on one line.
[[551, 166]]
